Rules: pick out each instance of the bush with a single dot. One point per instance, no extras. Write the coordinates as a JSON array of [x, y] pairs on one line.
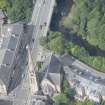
[[61, 99], [54, 42], [19, 10], [97, 62], [87, 19]]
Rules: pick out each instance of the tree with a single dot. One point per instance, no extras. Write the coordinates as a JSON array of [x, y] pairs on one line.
[[56, 45], [82, 54], [53, 35], [65, 85], [53, 42], [86, 102], [19, 10], [97, 61], [61, 99], [75, 50], [87, 19], [43, 41], [103, 103], [70, 93], [3, 4]]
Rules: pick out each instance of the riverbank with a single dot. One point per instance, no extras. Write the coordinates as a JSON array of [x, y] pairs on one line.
[[96, 58]]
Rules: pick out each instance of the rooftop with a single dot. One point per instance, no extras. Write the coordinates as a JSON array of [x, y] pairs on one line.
[[87, 75], [9, 39], [6, 102], [52, 64], [84, 79], [1, 14], [82, 69], [51, 70]]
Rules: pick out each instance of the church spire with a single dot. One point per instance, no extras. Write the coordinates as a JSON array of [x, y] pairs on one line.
[[31, 73]]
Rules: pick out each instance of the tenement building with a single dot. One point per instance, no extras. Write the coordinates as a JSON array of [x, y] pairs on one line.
[[86, 81]]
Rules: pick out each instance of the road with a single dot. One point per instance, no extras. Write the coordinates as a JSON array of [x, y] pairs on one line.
[[41, 20], [70, 60]]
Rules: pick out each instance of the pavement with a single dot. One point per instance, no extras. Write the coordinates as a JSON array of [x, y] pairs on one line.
[[41, 20]]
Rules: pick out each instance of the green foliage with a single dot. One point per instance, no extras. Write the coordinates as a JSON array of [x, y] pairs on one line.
[[17, 10], [65, 85], [56, 45], [53, 35], [54, 42], [103, 103], [76, 50], [3, 4], [86, 102], [39, 65], [61, 99], [70, 93], [81, 53], [67, 95], [87, 18], [43, 41]]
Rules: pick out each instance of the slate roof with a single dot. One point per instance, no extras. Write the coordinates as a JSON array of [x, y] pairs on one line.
[[39, 102], [52, 64], [5, 42], [66, 59], [2, 53], [12, 43], [10, 38], [4, 74], [9, 42], [51, 70], [55, 78], [6, 102], [8, 58], [9, 29]]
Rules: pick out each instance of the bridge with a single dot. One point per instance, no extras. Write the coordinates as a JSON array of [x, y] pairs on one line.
[[41, 18]]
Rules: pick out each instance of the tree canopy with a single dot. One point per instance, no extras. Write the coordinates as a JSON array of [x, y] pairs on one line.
[[3, 4], [61, 99], [87, 18], [82, 54], [54, 42], [86, 102], [17, 10]]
